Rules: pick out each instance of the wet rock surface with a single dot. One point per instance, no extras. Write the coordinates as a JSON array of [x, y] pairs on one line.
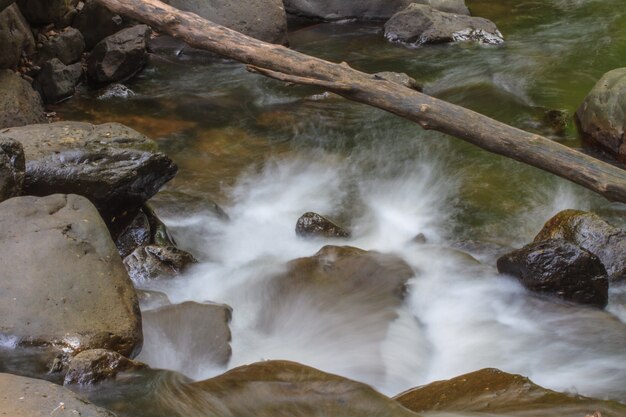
[[15, 37], [119, 56], [77, 295], [27, 397], [152, 262], [590, 232], [57, 81], [493, 391], [96, 365], [149, 299], [19, 104], [12, 169], [191, 332], [262, 19], [420, 24], [314, 225], [559, 268], [136, 234], [600, 117]]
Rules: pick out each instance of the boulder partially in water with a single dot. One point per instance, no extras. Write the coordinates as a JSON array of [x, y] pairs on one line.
[[494, 392], [27, 397], [63, 286], [590, 232], [315, 225], [421, 24], [601, 118], [559, 268], [20, 104], [96, 365], [12, 169]]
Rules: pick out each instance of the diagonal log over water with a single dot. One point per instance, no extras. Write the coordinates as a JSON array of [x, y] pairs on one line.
[[287, 65]]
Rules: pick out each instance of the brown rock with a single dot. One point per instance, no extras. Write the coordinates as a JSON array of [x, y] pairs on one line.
[[15, 37], [20, 104], [96, 365]]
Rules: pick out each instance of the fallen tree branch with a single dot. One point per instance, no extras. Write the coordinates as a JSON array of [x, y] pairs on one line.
[[287, 65]]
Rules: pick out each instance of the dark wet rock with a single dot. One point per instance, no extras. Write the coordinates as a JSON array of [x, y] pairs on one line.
[[557, 267], [114, 166], [590, 232], [75, 294], [159, 233], [494, 392], [27, 397], [420, 24], [68, 46], [20, 104], [119, 56], [57, 81], [149, 300], [314, 225], [152, 262], [12, 169], [364, 9], [399, 78], [15, 37], [601, 118], [42, 12], [262, 19], [137, 233], [282, 388], [556, 120], [115, 91], [197, 332], [96, 22], [96, 365], [419, 238]]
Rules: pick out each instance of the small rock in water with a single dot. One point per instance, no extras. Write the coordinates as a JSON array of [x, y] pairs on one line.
[[96, 365], [152, 262], [314, 225], [116, 91]]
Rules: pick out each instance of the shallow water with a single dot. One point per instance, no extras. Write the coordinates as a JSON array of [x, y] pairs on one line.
[[268, 153]]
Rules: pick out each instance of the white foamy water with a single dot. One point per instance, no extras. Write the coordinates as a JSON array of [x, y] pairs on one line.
[[458, 316]]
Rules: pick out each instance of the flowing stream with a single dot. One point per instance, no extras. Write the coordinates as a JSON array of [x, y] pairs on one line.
[[267, 153]]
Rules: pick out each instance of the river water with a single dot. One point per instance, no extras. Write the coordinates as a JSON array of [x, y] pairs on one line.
[[267, 153]]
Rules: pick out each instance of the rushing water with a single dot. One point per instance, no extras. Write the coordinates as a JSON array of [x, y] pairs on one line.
[[268, 153]]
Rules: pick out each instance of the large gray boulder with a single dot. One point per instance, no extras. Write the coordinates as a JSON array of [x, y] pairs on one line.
[[262, 19], [421, 24], [559, 268], [63, 287], [592, 233], [27, 397], [15, 37], [96, 22], [364, 9], [114, 166], [119, 56], [20, 104], [12, 169], [601, 118], [57, 81], [42, 12]]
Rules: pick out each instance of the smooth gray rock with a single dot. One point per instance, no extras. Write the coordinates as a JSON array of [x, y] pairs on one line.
[[57, 81], [63, 287], [96, 22], [20, 104], [601, 118], [364, 9], [12, 169], [561, 269], [119, 56], [68, 46], [262, 19], [114, 166], [96, 365], [28, 397], [152, 262], [42, 12], [15, 37], [420, 24]]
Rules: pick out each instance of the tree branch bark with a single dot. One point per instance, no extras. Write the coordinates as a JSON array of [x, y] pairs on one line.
[[284, 64]]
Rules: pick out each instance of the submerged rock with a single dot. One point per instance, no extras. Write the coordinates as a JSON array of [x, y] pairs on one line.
[[153, 262], [19, 104], [27, 397], [601, 117], [15, 37], [57, 81], [12, 169], [420, 24], [559, 268], [192, 333], [494, 392], [590, 232], [314, 225], [96, 365], [63, 286], [119, 56]]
